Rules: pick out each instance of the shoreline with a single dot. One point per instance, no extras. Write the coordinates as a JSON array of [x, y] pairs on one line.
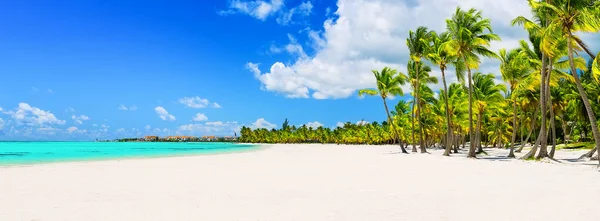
[[126, 158]]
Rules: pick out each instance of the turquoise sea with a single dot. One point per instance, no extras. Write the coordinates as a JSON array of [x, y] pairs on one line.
[[12, 153]]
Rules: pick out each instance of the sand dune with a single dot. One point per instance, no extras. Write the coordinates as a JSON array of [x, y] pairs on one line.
[[303, 182]]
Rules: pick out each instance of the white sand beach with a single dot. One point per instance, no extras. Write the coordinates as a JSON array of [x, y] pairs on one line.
[[304, 182]]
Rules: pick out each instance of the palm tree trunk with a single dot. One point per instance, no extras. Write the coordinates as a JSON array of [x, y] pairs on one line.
[[563, 125], [417, 94], [533, 150], [530, 132], [549, 96], [511, 154], [585, 48], [478, 131], [472, 153], [414, 143], [543, 135], [393, 125], [586, 102], [448, 123]]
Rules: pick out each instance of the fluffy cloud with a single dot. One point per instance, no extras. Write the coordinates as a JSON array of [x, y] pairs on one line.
[[215, 105], [258, 9], [26, 114], [209, 128], [125, 108], [261, 10], [262, 123], [72, 129], [194, 102], [314, 125], [164, 114], [79, 119], [303, 9], [339, 124], [200, 117], [370, 34]]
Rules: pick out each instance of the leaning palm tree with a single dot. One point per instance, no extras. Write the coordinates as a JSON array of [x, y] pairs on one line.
[[438, 55], [514, 68], [568, 17], [388, 84], [417, 44], [471, 37]]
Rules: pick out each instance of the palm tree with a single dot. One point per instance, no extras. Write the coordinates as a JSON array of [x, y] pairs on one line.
[[568, 17], [438, 55], [417, 44], [514, 69], [419, 76], [388, 84], [471, 37], [487, 96]]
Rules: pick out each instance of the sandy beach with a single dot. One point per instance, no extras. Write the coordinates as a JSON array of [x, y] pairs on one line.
[[304, 182]]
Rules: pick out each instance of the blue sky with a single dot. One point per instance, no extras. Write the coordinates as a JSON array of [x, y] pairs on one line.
[[81, 70]]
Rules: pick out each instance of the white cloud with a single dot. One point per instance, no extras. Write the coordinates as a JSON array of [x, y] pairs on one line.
[[262, 123], [79, 119], [303, 9], [200, 117], [1, 122], [339, 124], [258, 9], [371, 34], [194, 102], [147, 127], [216, 105], [120, 130], [125, 108], [209, 128], [34, 116], [164, 114], [72, 129], [314, 125]]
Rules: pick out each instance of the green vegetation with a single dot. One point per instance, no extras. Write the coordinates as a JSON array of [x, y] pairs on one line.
[[550, 93]]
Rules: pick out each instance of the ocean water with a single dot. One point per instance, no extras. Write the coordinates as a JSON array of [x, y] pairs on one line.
[[12, 153]]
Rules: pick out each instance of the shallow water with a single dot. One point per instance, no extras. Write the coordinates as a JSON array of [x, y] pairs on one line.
[[45, 152]]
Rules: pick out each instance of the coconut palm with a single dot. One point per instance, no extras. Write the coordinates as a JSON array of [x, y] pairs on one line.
[[514, 69], [568, 17], [388, 84], [438, 55], [419, 76], [471, 37], [488, 95], [417, 44]]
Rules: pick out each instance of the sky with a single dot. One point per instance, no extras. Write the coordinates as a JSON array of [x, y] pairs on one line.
[[86, 70]]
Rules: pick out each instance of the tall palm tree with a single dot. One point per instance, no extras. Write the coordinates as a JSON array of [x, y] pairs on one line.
[[419, 76], [417, 44], [514, 69], [438, 55], [471, 37], [568, 17], [488, 95], [388, 84]]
